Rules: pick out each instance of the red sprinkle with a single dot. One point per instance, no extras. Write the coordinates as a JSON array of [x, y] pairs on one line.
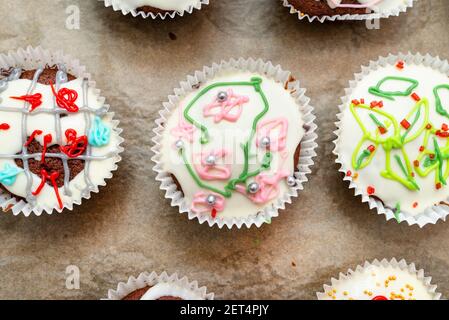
[[405, 124], [421, 149], [380, 298], [431, 156], [52, 177], [47, 139], [400, 65], [443, 134], [371, 148], [382, 130], [75, 145], [35, 100], [416, 97], [416, 163], [32, 137], [444, 127], [66, 98], [415, 204], [370, 190], [356, 102], [362, 101], [349, 173], [4, 126], [214, 213], [438, 186], [428, 126]]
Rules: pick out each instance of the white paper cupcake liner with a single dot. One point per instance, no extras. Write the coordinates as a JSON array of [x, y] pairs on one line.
[[308, 144], [430, 215], [164, 15], [151, 279], [32, 58], [401, 265], [357, 17]]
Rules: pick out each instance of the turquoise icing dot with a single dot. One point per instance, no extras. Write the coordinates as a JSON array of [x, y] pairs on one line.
[[100, 134], [9, 174]]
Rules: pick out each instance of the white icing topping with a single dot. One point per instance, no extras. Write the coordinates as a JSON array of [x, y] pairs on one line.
[[12, 141], [373, 281], [230, 135], [170, 290], [390, 191], [378, 6], [175, 5]]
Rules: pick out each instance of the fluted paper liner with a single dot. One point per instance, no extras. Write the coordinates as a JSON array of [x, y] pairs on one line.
[[428, 216], [32, 58], [308, 143], [401, 265], [358, 17], [151, 279], [160, 15]]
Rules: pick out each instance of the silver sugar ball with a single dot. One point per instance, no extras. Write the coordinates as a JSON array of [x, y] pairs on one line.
[[291, 181], [210, 160], [265, 141], [253, 187], [211, 199], [222, 96], [179, 144]]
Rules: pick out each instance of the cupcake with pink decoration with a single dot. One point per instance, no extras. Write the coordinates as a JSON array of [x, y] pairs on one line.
[[331, 10], [235, 142]]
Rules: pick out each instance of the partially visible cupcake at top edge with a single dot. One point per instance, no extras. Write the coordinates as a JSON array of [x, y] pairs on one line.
[[342, 7], [156, 6]]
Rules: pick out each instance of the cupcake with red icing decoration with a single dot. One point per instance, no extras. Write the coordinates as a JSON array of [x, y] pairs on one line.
[[59, 142], [331, 10], [393, 137], [159, 287], [162, 9], [235, 143], [381, 280]]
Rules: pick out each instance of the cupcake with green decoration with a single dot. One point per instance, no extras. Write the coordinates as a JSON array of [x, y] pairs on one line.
[[393, 137], [235, 143]]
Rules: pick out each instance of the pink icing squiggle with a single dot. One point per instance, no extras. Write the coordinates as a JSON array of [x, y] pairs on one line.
[[268, 187], [183, 129], [200, 205], [355, 6], [265, 128], [208, 171], [229, 109]]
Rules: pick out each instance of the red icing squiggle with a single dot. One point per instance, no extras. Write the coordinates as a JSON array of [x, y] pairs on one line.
[[32, 137], [47, 139], [35, 100], [66, 98], [4, 126], [52, 177], [75, 145]]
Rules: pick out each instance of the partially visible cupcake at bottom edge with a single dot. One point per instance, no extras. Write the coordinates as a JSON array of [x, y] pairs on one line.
[[384, 280], [159, 287]]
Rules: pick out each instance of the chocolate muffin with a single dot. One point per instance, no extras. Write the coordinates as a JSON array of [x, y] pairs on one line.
[[159, 287], [231, 148], [155, 8], [50, 157], [330, 8], [393, 133]]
